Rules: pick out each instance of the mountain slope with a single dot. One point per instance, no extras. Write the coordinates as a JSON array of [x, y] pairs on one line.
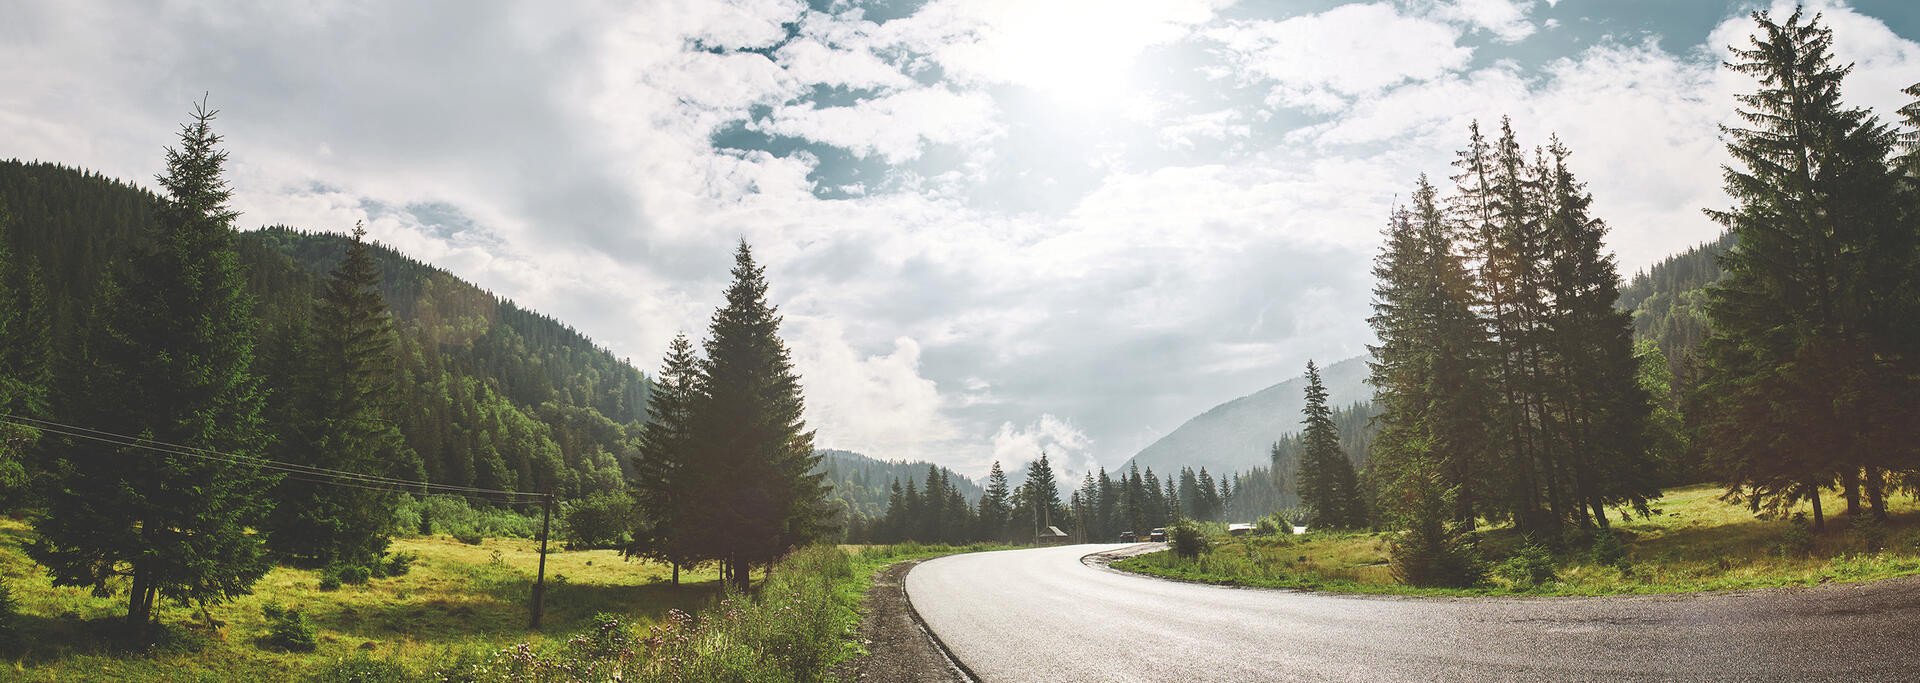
[[1239, 435], [864, 482]]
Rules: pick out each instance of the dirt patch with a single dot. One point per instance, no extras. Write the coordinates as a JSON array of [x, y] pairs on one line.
[[899, 648]]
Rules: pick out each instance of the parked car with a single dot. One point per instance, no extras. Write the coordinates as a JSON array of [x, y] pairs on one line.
[[1159, 534], [1127, 537]]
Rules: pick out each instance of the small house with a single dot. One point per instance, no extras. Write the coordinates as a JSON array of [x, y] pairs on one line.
[[1052, 536]]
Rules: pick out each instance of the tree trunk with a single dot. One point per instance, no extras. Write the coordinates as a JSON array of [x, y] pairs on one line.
[[1876, 493], [1819, 520], [676, 574], [1850, 485]]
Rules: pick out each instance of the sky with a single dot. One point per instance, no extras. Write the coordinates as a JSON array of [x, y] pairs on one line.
[[992, 227]]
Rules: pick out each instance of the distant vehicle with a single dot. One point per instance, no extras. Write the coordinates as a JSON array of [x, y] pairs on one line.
[[1239, 529], [1159, 534], [1127, 537]]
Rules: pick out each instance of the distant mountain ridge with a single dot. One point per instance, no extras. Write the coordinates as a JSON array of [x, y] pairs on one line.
[[864, 482], [1239, 435]]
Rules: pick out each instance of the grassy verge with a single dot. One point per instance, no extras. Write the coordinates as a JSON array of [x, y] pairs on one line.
[[461, 614], [1693, 542]]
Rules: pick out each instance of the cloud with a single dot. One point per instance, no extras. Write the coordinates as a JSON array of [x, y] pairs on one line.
[[895, 126], [1068, 449], [1506, 20], [1320, 61]]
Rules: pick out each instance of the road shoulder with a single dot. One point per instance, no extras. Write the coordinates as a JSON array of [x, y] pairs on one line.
[[899, 647]]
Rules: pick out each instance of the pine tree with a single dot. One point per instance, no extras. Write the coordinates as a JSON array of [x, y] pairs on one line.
[[663, 463], [1042, 502], [994, 506], [356, 430], [172, 365], [1804, 386], [756, 462], [25, 361], [1328, 484]]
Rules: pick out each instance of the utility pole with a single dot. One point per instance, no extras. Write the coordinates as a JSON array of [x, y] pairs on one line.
[[540, 580]]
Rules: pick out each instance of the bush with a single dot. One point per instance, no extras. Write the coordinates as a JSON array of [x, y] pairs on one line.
[[1187, 538], [1869, 533], [1796, 540], [9, 616], [398, 564], [287, 629], [329, 580], [599, 521], [351, 574], [1531, 564], [470, 538], [363, 669], [1607, 550]]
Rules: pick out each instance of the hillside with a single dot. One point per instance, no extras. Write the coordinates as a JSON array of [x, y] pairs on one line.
[[864, 482], [493, 395], [1239, 434], [1669, 301]]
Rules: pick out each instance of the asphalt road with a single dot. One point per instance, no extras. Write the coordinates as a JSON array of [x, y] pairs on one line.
[[1044, 615]]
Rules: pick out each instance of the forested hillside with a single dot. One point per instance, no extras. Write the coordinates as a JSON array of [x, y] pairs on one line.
[[494, 395], [1669, 301], [862, 483]]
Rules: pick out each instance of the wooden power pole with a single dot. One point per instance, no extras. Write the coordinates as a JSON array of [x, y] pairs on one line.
[[540, 580]]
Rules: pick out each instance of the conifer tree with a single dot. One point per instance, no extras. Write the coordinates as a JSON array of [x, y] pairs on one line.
[[1328, 484], [757, 477], [663, 463], [994, 506], [26, 369], [1804, 387], [171, 364], [1042, 502], [355, 426]]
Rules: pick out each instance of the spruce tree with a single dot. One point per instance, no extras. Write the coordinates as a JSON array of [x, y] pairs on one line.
[[994, 506], [25, 361], [1043, 496], [1328, 484], [355, 427], [663, 461], [1804, 386], [171, 364], [756, 465]]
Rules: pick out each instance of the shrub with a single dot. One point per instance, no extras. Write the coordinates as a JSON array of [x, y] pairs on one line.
[[1187, 538], [470, 537], [329, 579], [1531, 564], [1869, 533], [9, 616], [1796, 540], [1607, 550], [398, 564], [599, 521], [363, 669], [287, 629], [352, 573]]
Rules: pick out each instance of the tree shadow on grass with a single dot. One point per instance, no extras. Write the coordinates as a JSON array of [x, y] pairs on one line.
[[43, 640], [501, 604]]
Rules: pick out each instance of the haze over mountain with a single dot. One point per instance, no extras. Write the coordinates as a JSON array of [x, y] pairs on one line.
[[1239, 434]]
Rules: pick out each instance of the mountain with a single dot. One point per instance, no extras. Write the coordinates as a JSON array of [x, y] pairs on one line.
[[1669, 301], [864, 483], [493, 395], [1239, 435]]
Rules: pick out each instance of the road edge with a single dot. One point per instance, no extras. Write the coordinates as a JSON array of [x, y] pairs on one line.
[[914, 612]]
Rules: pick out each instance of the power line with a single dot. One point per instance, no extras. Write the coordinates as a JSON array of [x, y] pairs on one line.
[[356, 479]]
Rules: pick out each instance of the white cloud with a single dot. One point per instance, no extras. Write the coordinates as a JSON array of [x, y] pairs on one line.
[[896, 126], [1505, 19], [1320, 61], [1068, 449]]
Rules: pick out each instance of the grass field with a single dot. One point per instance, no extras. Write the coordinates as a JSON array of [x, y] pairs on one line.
[[1692, 542], [458, 598], [467, 603]]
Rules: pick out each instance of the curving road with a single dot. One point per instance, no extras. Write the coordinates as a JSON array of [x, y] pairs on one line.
[[1044, 615]]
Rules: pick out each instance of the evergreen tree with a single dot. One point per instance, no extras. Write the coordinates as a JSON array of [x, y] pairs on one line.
[[663, 464], [1042, 501], [171, 364], [994, 506], [756, 464], [1328, 484], [1805, 386], [25, 362], [356, 427]]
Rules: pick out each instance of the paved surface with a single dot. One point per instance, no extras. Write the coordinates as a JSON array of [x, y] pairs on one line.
[[1044, 615]]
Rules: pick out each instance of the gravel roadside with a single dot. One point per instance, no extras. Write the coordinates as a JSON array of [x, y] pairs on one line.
[[898, 647]]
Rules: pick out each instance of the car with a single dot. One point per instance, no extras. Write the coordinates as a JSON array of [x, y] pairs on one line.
[[1159, 534], [1127, 537]]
